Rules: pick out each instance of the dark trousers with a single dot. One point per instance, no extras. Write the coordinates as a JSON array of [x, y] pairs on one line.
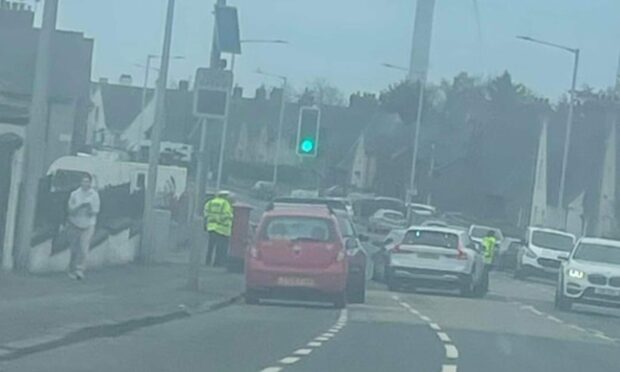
[[218, 246], [485, 280]]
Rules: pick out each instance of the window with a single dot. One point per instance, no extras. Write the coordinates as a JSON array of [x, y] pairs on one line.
[[298, 228], [431, 238]]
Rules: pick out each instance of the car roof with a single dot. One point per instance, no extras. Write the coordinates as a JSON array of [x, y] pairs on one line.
[[447, 230], [548, 230], [388, 211], [601, 241]]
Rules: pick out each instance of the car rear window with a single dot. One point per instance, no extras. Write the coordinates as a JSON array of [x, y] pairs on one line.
[[393, 216], [553, 241], [431, 238], [298, 228]]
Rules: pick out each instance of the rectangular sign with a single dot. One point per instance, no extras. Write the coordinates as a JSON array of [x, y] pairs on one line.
[[212, 93]]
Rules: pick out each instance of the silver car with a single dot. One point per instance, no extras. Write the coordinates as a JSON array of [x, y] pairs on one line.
[[438, 257], [590, 275]]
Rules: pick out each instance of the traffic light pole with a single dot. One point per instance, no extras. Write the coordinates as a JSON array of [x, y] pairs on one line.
[[146, 246], [35, 146], [276, 160]]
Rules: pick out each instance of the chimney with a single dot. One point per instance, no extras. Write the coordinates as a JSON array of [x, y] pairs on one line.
[[261, 94], [237, 92], [184, 85], [126, 80]]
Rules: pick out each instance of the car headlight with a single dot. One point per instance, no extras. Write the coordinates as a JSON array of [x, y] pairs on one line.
[[577, 274], [530, 253]]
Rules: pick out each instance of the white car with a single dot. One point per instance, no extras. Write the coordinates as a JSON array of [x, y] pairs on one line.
[[543, 252], [434, 223], [437, 257], [590, 275], [385, 220]]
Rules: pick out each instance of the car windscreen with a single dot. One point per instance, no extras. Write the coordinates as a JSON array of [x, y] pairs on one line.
[[598, 253], [553, 241], [297, 228], [431, 238]]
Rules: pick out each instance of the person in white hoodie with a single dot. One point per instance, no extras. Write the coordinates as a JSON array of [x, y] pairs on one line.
[[83, 209]]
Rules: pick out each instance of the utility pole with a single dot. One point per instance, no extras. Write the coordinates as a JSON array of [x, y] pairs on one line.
[[276, 160], [418, 72], [35, 147], [160, 111], [431, 171]]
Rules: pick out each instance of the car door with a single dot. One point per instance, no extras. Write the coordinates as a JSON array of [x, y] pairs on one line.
[[478, 259]]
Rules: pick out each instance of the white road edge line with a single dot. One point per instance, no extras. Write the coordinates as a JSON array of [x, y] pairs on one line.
[[425, 318], [289, 360], [532, 309], [451, 351], [395, 298], [554, 319], [448, 368], [303, 352], [576, 328], [443, 337]]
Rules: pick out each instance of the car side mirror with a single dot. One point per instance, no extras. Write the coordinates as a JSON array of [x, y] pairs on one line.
[[351, 244], [363, 238]]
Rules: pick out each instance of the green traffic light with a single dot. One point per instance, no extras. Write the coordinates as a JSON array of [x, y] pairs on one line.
[[307, 145]]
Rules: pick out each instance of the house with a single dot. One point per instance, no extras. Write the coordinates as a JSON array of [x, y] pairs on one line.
[[69, 101]]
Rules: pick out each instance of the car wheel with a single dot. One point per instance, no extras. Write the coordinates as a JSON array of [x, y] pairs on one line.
[[251, 297], [467, 288], [358, 294], [340, 302], [561, 302], [379, 269]]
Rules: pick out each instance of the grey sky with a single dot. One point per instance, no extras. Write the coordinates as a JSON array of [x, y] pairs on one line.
[[345, 41]]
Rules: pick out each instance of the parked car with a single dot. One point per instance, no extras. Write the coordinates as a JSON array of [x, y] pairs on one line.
[[543, 251], [508, 252], [263, 190], [437, 257], [385, 220], [590, 275], [300, 252], [357, 258], [382, 256]]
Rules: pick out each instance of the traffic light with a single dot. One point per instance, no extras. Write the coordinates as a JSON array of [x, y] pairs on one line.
[[308, 131]]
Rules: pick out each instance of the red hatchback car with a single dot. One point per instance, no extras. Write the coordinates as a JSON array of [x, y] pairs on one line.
[[298, 252]]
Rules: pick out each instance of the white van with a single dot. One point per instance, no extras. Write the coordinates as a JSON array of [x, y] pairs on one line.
[[543, 251]]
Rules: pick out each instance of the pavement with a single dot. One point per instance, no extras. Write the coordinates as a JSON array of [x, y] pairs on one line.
[[514, 328], [51, 311]]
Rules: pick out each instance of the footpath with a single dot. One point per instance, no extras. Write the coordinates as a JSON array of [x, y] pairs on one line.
[[43, 311]]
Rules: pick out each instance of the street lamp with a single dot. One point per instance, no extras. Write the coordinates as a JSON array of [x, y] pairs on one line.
[[571, 108], [276, 160], [395, 67], [255, 41]]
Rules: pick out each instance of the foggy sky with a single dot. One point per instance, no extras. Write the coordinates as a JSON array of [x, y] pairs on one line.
[[346, 42]]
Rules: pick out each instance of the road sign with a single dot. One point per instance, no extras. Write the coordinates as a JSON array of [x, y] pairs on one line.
[[212, 93], [308, 131], [227, 23]]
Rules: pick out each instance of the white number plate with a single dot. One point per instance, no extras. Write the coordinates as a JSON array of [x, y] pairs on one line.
[[607, 292], [295, 282]]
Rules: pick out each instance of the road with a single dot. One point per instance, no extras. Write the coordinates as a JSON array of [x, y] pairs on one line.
[[513, 329]]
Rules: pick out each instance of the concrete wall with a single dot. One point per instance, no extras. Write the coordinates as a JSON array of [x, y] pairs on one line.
[[11, 213]]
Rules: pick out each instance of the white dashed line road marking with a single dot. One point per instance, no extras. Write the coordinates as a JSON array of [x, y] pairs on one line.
[[298, 354], [272, 369], [532, 309], [451, 351], [303, 352], [443, 337], [289, 360], [554, 319], [576, 328]]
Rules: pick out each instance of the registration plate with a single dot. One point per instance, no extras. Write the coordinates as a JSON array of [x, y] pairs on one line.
[[607, 292], [295, 282], [431, 256]]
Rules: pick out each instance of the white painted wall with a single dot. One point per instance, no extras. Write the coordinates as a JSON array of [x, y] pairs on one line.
[[11, 215], [539, 212]]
